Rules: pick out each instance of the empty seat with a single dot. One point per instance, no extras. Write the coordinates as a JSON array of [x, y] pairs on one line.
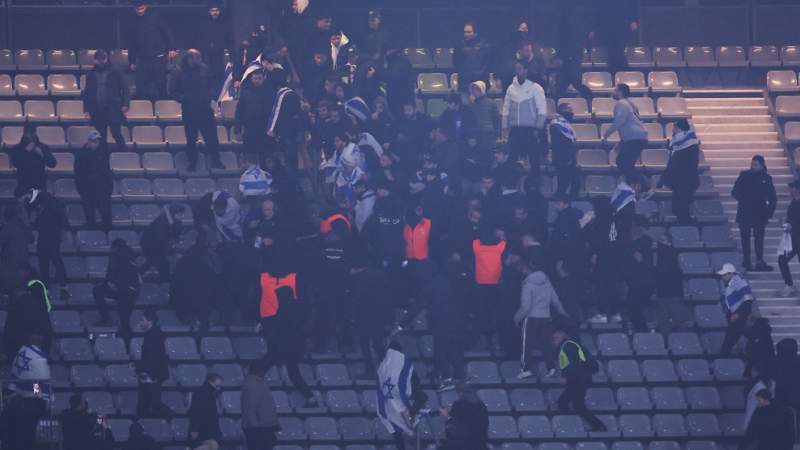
[[322, 429], [136, 189], [732, 424], [168, 111], [181, 348], [764, 56], [654, 158], [593, 158], [168, 189], [600, 184], [62, 60], [703, 398], [158, 429], [126, 163], [291, 429], [191, 375], [791, 130], [87, 376], [158, 163], [790, 55], [673, 108], [216, 348], [232, 402], [568, 427], [634, 80], [495, 400], [502, 427], [634, 399], [66, 321], [598, 82], [649, 344], [586, 134], [669, 425], [10, 111], [7, 61], [782, 81], [355, 429], [694, 370], [6, 86], [30, 60], [175, 135], [443, 58], [640, 57], [785, 106], [432, 83], [121, 375], [701, 56], [599, 57], [99, 402], [579, 107], [198, 187], [420, 58], [701, 445], [71, 111], [526, 400], [63, 85], [483, 372], [668, 57], [30, 85], [92, 241], [148, 136], [728, 369], [40, 111], [603, 108], [635, 426], [333, 375], [709, 316], [140, 111], [668, 398], [694, 263], [614, 344], [435, 107], [624, 371], [644, 105], [664, 82], [731, 56], [601, 399], [75, 349], [718, 237], [686, 237], [684, 344], [144, 214], [343, 401]]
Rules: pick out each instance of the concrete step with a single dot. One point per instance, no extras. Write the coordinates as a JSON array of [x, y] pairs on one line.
[[733, 110], [749, 136], [702, 128], [774, 170], [730, 119], [734, 101], [742, 162]]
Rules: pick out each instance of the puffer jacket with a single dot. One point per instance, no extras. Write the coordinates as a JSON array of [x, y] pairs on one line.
[[524, 105], [537, 297]]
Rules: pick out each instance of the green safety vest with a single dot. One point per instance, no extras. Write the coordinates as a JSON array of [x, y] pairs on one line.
[[563, 359], [44, 288]]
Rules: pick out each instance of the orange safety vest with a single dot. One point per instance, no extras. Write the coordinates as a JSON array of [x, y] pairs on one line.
[[417, 239], [269, 284], [488, 261], [325, 225]]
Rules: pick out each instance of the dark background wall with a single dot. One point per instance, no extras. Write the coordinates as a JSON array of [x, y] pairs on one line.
[[428, 23]]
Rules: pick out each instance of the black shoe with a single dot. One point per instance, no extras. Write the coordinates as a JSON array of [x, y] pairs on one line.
[[761, 266]]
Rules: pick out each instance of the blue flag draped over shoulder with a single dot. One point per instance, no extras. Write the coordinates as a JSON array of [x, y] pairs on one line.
[[737, 292], [394, 391]]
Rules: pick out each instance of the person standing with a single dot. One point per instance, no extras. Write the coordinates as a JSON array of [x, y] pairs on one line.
[[488, 251], [106, 98], [577, 367], [204, 430], [31, 158], [757, 201], [472, 58], [467, 425], [565, 152], [28, 313], [94, 181], [681, 174], [49, 220], [618, 23], [632, 134], [192, 86], [772, 427], [524, 116], [122, 284], [15, 236], [287, 123], [534, 317], [214, 37], [572, 41], [158, 239], [153, 368], [737, 301], [377, 38], [259, 413], [790, 245], [150, 43], [77, 424], [252, 112], [487, 116], [787, 364], [372, 309], [139, 440]]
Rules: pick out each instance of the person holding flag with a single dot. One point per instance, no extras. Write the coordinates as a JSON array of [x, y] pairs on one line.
[[737, 301], [396, 389]]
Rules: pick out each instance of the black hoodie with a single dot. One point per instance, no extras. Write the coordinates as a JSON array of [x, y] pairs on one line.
[[787, 388]]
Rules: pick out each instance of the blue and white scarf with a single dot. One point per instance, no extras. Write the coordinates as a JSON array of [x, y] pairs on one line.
[[737, 292], [563, 125], [393, 391], [622, 196], [683, 140], [357, 108], [228, 92]]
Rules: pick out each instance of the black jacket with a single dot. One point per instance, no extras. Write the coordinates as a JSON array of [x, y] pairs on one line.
[[141, 442], [156, 237], [31, 167], [384, 231], [193, 283], [123, 272], [669, 282], [50, 223], [203, 418], [213, 37], [26, 314], [376, 42], [772, 427], [254, 107], [371, 302], [288, 335], [149, 37], [117, 93], [93, 177], [289, 121], [76, 429], [193, 88], [401, 81], [564, 150], [756, 196], [18, 422], [472, 60], [681, 172], [787, 390], [468, 426], [793, 218], [155, 361]]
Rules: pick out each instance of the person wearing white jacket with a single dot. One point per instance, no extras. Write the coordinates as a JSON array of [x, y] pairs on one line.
[[524, 116], [533, 315]]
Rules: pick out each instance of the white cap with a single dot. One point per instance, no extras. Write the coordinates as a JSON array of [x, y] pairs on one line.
[[726, 269]]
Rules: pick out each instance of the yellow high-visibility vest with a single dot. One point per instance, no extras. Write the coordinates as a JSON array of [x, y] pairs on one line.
[[563, 359], [44, 288]]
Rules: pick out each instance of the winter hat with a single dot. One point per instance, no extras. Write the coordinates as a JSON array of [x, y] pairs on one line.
[[760, 159], [480, 85]]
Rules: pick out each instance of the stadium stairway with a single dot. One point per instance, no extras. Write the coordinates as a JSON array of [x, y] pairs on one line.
[[733, 125]]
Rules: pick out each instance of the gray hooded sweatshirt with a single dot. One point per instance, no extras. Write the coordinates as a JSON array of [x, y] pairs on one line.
[[537, 297]]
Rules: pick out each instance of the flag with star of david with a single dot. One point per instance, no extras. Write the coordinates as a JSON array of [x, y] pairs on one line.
[[393, 390]]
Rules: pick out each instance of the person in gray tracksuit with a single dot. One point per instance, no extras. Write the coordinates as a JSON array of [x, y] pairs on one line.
[[533, 315]]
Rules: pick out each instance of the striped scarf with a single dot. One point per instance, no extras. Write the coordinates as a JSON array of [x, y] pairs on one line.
[[683, 140], [737, 292], [562, 125]]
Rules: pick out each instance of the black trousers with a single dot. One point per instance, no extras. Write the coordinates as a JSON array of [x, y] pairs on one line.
[[757, 231], [736, 328], [125, 303], [274, 358], [484, 312], [629, 153], [681, 201], [537, 334], [369, 343], [524, 141], [97, 203], [570, 72], [448, 355], [104, 120], [151, 77], [569, 180], [259, 438], [158, 260], [255, 142], [637, 300], [783, 263], [200, 122], [48, 255], [149, 403], [574, 399]]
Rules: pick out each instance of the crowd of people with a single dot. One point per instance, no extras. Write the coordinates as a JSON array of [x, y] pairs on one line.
[[404, 213]]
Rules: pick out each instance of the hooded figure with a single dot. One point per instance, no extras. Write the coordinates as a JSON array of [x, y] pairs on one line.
[[759, 351], [787, 364]]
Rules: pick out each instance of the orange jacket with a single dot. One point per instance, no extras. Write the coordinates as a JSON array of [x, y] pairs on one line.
[[269, 284], [417, 239], [488, 261], [325, 225]]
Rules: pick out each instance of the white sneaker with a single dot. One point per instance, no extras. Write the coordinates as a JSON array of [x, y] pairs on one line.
[[524, 374], [599, 318], [551, 373], [787, 291], [616, 318]]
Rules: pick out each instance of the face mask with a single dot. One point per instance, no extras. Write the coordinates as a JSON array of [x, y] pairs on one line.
[[568, 115]]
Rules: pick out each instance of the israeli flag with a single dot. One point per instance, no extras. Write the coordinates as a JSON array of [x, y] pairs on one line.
[[394, 391], [622, 195], [737, 292], [228, 92]]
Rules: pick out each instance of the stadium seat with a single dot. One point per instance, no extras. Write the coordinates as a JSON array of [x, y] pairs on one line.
[[664, 82], [321, 429], [31, 60], [443, 58], [168, 111], [654, 158], [694, 263], [158, 429], [684, 344], [579, 107], [639, 57], [728, 369], [595, 159], [701, 398], [601, 399], [6, 86], [126, 163], [635, 426], [62, 61], [432, 83], [420, 58], [668, 57], [343, 401], [764, 56], [249, 347], [782, 81], [100, 402], [136, 189], [527, 400], [659, 371], [613, 345], [10, 111], [75, 349], [355, 429], [169, 189], [701, 445], [30, 85], [216, 349], [598, 82], [586, 134], [122, 376], [7, 61], [71, 111], [333, 375], [645, 107], [120, 428], [700, 56], [732, 56], [669, 425], [147, 136], [732, 424], [709, 316], [790, 55], [791, 131], [119, 58], [624, 371], [599, 57], [634, 80], [649, 344], [603, 108], [483, 372], [191, 375], [668, 398], [600, 184], [198, 187], [787, 106], [686, 237], [87, 376], [634, 399], [182, 348], [694, 370], [63, 85], [673, 108], [140, 111]]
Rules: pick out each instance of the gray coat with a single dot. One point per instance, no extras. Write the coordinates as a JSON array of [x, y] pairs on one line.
[[258, 406]]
